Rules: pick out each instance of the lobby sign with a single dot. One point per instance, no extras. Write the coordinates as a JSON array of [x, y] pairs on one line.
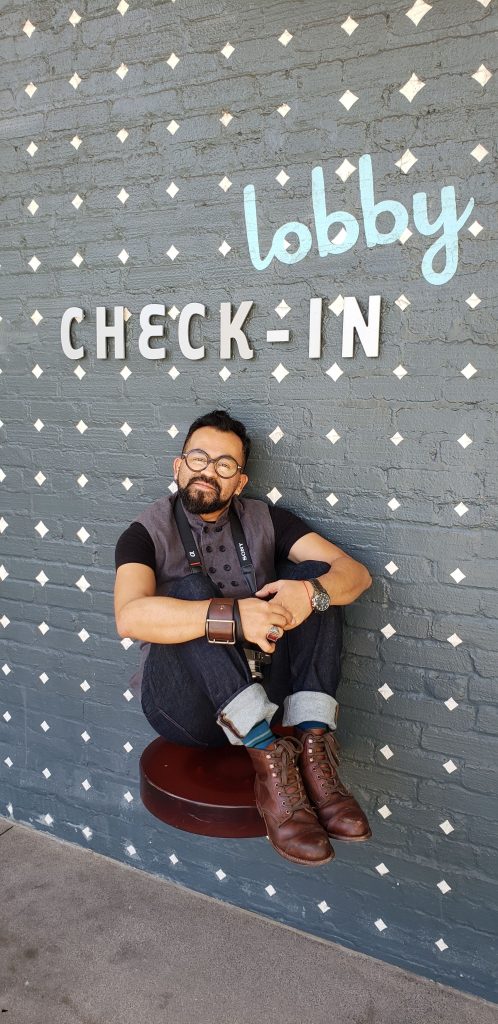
[[291, 243]]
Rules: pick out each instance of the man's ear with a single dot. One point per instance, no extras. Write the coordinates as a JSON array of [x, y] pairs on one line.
[[244, 479], [176, 466]]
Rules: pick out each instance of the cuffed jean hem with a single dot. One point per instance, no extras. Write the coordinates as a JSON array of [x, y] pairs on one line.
[[308, 706], [247, 708]]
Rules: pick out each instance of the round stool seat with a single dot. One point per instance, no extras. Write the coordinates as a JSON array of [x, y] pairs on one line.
[[206, 790]]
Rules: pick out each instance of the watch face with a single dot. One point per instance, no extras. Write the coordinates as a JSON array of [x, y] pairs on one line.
[[320, 602]]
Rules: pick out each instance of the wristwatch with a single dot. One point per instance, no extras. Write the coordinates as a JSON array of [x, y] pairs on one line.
[[320, 600]]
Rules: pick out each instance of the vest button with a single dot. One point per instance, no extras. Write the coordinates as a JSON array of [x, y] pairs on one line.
[[209, 548], [234, 583], [218, 529], [222, 547], [205, 529], [212, 569], [227, 568], [221, 586]]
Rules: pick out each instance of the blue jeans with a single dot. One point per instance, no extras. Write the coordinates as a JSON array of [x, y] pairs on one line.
[[201, 694]]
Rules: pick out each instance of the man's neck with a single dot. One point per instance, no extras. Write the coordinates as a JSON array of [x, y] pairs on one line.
[[211, 517]]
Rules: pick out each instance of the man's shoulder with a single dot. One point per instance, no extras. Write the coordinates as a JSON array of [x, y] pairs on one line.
[[251, 502], [254, 506], [259, 505], [159, 507]]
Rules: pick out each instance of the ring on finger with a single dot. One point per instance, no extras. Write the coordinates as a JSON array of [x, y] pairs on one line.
[[273, 634]]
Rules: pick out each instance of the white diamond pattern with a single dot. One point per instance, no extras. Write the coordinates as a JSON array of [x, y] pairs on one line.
[[457, 575], [461, 509], [418, 11], [335, 372], [451, 704], [482, 75], [412, 87], [276, 435], [468, 371], [454, 640], [345, 170], [406, 161], [465, 440], [385, 691], [348, 99], [381, 868], [388, 630], [280, 372], [274, 495]]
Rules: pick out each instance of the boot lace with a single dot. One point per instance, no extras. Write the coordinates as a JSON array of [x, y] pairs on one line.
[[326, 755], [284, 758]]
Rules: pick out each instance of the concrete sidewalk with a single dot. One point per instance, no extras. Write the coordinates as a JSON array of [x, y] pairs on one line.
[[86, 940]]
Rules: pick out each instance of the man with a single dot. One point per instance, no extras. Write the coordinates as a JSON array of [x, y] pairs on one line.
[[207, 581]]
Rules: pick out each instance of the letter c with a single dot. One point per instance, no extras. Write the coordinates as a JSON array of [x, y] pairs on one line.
[[73, 313]]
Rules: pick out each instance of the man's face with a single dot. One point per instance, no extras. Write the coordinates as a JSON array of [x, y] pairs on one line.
[[203, 491]]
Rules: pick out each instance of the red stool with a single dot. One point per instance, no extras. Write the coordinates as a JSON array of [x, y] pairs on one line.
[[206, 790]]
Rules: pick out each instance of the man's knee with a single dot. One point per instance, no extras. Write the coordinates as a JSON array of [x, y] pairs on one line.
[[195, 586]]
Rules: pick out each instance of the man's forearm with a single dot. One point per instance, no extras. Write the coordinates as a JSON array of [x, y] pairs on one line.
[[163, 620], [345, 581]]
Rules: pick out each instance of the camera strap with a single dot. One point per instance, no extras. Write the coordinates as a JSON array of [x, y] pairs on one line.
[[238, 537]]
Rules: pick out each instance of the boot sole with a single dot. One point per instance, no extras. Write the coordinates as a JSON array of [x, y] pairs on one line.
[[297, 860], [350, 839]]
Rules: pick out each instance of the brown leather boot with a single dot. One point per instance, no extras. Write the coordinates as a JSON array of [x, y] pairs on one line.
[[337, 809], [293, 827]]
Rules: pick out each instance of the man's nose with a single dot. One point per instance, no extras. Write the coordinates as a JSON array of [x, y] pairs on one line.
[[210, 472]]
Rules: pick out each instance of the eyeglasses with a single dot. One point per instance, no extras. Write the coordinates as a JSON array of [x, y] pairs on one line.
[[225, 465]]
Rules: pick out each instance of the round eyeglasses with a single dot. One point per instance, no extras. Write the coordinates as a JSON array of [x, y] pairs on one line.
[[225, 465]]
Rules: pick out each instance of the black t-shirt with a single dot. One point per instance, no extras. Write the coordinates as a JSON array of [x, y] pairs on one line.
[[136, 545]]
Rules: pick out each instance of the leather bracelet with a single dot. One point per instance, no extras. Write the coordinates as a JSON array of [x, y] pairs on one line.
[[239, 632], [220, 622]]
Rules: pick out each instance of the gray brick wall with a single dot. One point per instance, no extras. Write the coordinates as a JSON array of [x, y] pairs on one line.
[[79, 689]]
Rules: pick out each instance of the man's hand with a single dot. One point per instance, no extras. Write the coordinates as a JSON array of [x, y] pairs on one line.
[[257, 616], [294, 595]]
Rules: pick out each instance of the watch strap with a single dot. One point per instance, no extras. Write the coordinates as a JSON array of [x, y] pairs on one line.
[[319, 593], [220, 622], [317, 586]]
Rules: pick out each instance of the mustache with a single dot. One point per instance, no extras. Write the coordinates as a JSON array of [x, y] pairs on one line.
[[202, 481]]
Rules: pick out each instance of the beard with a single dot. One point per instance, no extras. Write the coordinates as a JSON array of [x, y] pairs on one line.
[[199, 501]]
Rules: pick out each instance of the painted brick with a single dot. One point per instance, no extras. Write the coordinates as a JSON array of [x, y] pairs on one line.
[[429, 472]]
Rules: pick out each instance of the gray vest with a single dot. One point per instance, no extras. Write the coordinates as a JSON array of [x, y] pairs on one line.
[[172, 563]]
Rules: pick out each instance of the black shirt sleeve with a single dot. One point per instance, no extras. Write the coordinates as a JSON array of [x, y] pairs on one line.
[[288, 529], [135, 545]]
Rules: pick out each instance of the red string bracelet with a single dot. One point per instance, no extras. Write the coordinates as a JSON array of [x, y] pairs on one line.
[[308, 593]]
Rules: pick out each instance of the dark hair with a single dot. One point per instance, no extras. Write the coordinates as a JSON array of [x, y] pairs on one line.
[[221, 420]]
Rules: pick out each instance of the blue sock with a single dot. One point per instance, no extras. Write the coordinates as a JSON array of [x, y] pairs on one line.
[[313, 725], [259, 736]]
